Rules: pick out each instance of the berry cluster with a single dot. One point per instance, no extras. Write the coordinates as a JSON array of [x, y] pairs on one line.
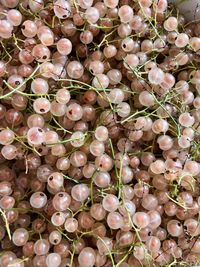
[[99, 134]]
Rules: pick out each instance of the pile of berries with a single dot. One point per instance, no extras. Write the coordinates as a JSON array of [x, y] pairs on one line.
[[99, 134]]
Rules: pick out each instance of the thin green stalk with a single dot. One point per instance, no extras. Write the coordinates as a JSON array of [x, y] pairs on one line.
[[3, 214]]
